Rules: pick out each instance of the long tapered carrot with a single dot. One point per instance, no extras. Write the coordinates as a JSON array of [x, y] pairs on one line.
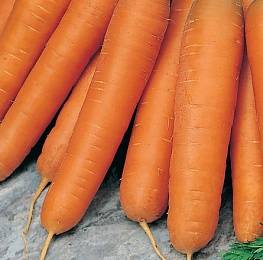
[[57, 141], [78, 36], [6, 6], [254, 37], [246, 160], [127, 58], [247, 163], [144, 183], [24, 37], [211, 54]]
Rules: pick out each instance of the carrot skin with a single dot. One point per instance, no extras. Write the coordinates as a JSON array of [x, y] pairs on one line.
[[246, 160], [210, 60], [57, 70], [254, 37], [28, 28], [6, 7], [144, 183], [127, 58], [246, 163], [57, 141]]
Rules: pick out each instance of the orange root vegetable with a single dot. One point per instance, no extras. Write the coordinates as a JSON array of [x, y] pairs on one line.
[[246, 4], [24, 37], [210, 60], [127, 58], [6, 7], [144, 184], [247, 164], [246, 160], [57, 141], [254, 38], [78, 36]]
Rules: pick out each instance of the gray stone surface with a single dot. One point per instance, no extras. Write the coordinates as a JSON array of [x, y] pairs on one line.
[[104, 233]]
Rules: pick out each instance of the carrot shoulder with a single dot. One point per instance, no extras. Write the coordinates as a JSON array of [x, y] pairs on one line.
[[127, 58], [144, 183], [24, 37], [246, 163], [78, 36], [206, 91], [6, 7]]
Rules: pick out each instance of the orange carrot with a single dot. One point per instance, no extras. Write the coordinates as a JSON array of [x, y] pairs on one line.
[[206, 91], [75, 40], [57, 141], [6, 7], [127, 58], [246, 160], [254, 37], [144, 184], [247, 164], [24, 37], [246, 4]]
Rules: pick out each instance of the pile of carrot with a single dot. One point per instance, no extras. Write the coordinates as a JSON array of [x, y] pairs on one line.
[[190, 71]]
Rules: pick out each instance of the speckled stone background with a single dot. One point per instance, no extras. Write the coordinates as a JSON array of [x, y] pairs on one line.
[[104, 233]]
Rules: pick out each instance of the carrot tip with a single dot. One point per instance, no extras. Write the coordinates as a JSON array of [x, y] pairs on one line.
[[46, 246], [149, 233], [189, 256], [44, 182]]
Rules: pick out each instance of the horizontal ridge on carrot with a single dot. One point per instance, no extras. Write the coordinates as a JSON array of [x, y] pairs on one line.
[[76, 39], [144, 183], [128, 55], [28, 28], [56, 143], [206, 90]]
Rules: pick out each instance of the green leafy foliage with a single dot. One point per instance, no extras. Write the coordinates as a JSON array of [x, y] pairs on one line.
[[245, 251]]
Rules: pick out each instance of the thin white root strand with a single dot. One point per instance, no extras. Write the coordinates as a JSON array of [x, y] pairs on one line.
[[148, 232], [46, 246], [44, 182], [189, 256]]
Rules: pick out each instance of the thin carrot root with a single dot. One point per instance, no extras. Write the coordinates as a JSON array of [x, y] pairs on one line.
[[25, 252], [189, 256], [149, 233], [46, 246], [44, 182]]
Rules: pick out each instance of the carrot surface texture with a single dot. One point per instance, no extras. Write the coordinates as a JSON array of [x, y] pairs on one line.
[[127, 58], [206, 90], [254, 38], [144, 183], [28, 28], [57, 141], [6, 7], [78, 36], [246, 160], [246, 163]]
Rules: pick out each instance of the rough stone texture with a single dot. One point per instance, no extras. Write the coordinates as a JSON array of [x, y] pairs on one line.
[[104, 233]]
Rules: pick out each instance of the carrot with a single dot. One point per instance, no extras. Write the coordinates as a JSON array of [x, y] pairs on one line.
[[206, 91], [144, 184], [6, 7], [29, 26], [127, 58], [254, 37], [246, 4], [57, 141], [75, 40], [246, 160], [247, 164]]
